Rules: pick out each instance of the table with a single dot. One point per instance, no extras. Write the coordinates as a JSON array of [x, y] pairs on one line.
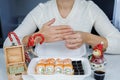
[[3, 74], [112, 67]]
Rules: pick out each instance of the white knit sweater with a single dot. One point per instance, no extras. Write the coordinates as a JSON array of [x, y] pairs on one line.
[[83, 16]]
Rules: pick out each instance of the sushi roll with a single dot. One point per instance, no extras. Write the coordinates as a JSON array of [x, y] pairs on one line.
[[42, 61], [40, 68], [49, 69], [50, 61], [59, 66], [59, 61], [67, 61], [68, 69]]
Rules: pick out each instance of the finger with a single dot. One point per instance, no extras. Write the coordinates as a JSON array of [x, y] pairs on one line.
[[73, 46], [64, 31], [61, 27], [37, 40], [50, 22], [69, 37], [55, 38], [58, 36], [73, 41], [66, 34], [58, 39], [73, 36]]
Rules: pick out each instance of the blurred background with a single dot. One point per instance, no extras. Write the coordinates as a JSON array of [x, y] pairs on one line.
[[12, 12]]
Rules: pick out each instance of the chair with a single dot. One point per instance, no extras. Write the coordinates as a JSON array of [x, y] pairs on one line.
[[1, 35]]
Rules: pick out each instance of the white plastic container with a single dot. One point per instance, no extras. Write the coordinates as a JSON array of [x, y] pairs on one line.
[[62, 52], [85, 63]]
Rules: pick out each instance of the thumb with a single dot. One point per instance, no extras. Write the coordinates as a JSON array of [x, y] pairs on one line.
[[50, 22]]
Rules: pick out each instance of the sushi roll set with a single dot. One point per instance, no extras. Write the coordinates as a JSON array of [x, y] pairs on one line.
[[54, 66], [78, 68], [59, 66]]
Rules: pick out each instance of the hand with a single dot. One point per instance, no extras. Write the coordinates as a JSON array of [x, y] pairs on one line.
[[54, 33], [75, 40]]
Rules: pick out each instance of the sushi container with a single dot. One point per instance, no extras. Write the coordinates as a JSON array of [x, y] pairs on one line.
[[56, 76]]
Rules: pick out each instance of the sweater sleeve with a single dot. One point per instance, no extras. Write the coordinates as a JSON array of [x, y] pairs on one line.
[[105, 28], [25, 28], [28, 26]]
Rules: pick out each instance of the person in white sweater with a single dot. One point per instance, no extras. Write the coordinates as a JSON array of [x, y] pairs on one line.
[[66, 27]]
